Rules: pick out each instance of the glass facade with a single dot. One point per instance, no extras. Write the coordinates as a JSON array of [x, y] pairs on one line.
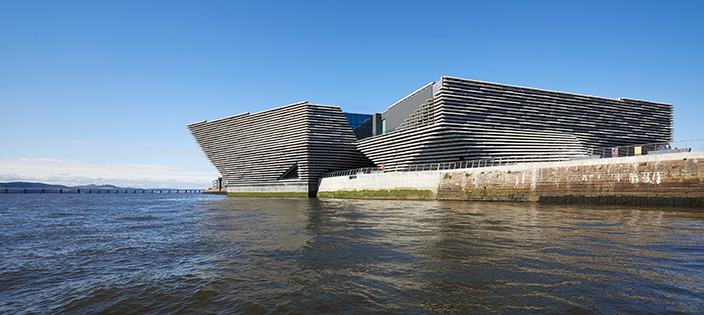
[[361, 124], [356, 119]]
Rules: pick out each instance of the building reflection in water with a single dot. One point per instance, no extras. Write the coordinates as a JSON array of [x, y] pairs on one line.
[[454, 256]]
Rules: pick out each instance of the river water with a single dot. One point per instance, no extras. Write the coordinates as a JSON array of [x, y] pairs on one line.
[[191, 253]]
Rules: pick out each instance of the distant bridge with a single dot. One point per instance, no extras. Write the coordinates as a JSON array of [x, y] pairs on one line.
[[97, 191]]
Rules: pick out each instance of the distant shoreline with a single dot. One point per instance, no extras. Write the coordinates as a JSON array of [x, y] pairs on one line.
[[34, 187]]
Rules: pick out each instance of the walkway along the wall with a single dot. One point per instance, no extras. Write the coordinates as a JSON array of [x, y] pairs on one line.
[[663, 179]]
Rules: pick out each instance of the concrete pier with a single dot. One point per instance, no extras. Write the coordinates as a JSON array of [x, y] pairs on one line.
[[665, 179]]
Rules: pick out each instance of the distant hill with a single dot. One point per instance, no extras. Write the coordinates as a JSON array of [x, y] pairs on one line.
[[29, 185], [105, 187]]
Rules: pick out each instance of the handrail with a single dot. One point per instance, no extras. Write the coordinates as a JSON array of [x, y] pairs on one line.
[[605, 152], [450, 165], [694, 145]]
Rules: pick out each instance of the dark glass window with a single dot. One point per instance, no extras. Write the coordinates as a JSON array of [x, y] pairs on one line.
[[361, 124], [356, 119]]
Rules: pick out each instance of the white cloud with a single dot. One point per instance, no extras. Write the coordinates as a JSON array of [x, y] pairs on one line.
[[190, 152], [73, 173], [180, 152]]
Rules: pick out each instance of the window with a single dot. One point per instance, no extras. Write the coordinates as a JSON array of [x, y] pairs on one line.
[[291, 173]]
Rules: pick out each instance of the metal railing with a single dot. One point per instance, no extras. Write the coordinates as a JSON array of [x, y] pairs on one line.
[[695, 145], [450, 165]]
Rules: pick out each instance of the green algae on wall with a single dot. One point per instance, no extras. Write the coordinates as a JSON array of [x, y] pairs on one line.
[[626, 200], [493, 194]]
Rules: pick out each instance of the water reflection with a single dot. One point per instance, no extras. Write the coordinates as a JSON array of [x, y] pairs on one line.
[[361, 255], [208, 254]]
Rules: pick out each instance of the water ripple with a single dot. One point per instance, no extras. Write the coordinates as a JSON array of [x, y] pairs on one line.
[[154, 254]]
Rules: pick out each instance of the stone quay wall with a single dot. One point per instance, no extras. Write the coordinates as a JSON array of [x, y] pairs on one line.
[[663, 179]]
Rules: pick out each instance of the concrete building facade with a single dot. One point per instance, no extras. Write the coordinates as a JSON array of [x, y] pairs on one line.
[[288, 149], [284, 150], [457, 119]]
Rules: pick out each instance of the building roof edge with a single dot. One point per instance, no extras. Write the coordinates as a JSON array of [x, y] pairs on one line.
[[553, 91], [411, 95]]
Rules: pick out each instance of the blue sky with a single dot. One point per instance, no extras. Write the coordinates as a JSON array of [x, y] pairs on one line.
[[100, 91]]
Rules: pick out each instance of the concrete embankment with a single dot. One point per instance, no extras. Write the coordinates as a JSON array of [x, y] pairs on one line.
[[662, 179], [215, 191]]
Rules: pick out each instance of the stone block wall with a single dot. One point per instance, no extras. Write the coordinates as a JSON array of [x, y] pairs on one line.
[[488, 184], [662, 179], [676, 179]]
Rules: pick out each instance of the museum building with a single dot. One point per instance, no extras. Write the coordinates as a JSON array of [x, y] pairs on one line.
[[289, 148]]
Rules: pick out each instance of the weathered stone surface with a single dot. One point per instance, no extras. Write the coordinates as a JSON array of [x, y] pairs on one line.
[[674, 179], [663, 179]]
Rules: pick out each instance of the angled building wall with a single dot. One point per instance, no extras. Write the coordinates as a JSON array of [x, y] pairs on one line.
[[397, 113], [466, 120], [285, 149]]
